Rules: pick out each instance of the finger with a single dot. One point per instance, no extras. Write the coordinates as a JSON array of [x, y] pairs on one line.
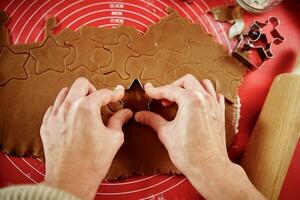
[[47, 114], [80, 88], [151, 119], [189, 82], [117, 120], [209, 88], [221, 101], [60, 98], [104, 96], [168, 92]]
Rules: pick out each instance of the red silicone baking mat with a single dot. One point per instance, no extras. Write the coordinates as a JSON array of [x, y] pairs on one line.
[[27, 23]]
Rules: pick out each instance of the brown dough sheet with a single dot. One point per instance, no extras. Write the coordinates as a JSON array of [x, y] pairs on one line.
[[31, 75]]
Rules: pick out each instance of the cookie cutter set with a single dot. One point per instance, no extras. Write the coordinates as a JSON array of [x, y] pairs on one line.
[[256, 40]]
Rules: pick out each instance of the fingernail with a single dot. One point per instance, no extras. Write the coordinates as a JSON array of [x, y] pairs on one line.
[[130, 114], [135, 117], [118, 88], [127, 110], [148, 85], [206, 80]]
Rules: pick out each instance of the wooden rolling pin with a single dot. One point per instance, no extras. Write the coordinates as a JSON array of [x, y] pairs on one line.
[[267, 157]]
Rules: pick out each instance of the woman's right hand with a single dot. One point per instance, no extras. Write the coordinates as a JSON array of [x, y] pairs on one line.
[[197, 134], [195, 139]]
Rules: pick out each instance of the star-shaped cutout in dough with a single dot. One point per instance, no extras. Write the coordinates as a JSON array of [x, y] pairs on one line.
[[12, 65], [135, 97], [156, 67], [50, 56], [205, 52]]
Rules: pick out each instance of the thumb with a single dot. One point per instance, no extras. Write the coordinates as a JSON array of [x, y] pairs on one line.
[[117, 120], [151, 119]]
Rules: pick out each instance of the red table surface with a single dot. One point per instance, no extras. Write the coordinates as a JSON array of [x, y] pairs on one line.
[[27, 23]]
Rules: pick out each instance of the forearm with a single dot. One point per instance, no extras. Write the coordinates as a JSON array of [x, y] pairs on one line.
[[223, 181]]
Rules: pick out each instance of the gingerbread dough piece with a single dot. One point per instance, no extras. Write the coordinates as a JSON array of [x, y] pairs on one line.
[[31, 75], [179, 40], [197, 32], [190, 69], [11, 65], [204, 48], [133, 68], [97, 80], [101, 57], [65, 35], [120, 54], [50, 56], [156, 67], [84, 49], [144, 43], [176, 58], [225, 84], [110, 79], [111, 35], [50, 25]]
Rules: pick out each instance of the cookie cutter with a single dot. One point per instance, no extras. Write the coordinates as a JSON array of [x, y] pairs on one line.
[[256, 40], [136, 83]]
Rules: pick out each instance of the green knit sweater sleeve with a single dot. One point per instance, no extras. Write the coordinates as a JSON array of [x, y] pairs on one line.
[[34, 192]]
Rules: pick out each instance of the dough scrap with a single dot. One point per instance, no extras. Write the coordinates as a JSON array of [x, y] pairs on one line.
[[108, 57]]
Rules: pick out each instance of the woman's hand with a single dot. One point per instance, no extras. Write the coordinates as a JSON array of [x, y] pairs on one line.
[[195, 139], [197, 134], [78, 147]]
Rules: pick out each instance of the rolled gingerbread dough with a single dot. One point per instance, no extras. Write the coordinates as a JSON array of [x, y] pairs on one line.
[[31, 75]]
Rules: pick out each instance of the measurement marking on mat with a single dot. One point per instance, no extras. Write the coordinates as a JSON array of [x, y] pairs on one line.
[[116, 5]]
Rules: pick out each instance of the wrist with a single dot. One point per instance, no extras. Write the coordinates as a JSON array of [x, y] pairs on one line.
[[222, 179], [211, 166], [82, 185]]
